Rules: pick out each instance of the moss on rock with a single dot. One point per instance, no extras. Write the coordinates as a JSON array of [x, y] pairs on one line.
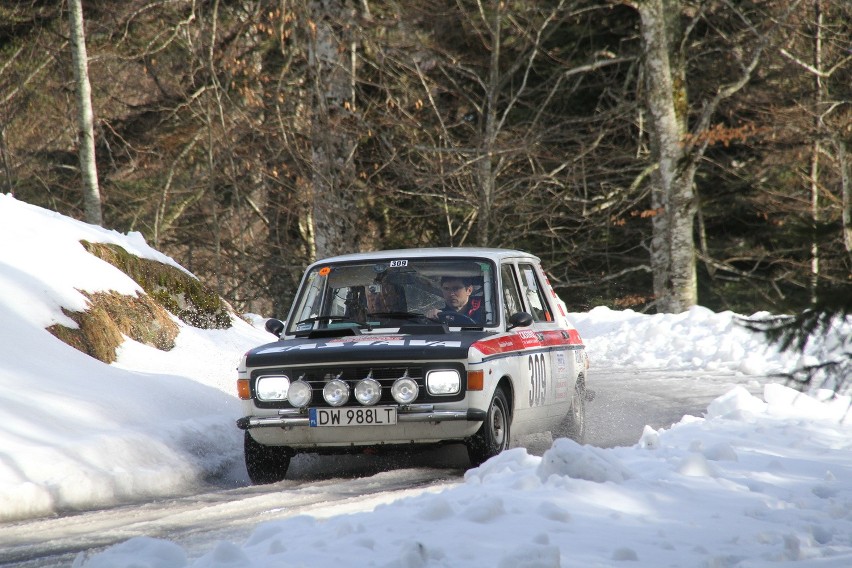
[[178, 292], [145, 318], [111, 316]]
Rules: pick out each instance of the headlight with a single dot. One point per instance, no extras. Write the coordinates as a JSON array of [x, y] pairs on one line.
[[300, 394], [273, 387], [336, 392], [404, 390], [443, 382]]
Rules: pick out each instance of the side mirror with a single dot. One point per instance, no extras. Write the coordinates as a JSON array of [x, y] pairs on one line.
[[274, 326], [520, 319]]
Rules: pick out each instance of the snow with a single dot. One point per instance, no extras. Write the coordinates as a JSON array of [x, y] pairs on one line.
[[752, 482]]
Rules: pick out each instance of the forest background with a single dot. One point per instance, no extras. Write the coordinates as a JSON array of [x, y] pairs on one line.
[[654, 153]]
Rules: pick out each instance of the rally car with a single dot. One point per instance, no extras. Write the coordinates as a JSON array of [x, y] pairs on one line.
[[386, 350]]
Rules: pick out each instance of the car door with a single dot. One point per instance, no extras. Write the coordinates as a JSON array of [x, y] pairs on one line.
[[529, 364], [552, 370]]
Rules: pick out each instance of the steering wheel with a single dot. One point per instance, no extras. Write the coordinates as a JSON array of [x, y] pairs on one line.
[[454, 318]]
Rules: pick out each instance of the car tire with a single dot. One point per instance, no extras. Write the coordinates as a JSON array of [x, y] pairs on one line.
[[493, 436], [573, 425], [265, 464]]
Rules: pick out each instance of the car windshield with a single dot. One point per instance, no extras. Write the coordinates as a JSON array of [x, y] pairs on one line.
[[395, 292]]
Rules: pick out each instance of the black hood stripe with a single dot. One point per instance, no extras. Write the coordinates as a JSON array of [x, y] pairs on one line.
[[363, 348]]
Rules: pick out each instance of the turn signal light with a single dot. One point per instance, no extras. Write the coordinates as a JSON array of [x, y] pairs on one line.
[[243, 390], [475, 380]]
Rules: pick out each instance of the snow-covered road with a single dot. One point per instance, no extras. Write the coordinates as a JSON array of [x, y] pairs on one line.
[[626, 400]]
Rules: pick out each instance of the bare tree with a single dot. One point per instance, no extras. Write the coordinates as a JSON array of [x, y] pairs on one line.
[[85, 116], [335, 201], [678, 144], [829, 62], [673, 191], [484, 137], [247, 137]]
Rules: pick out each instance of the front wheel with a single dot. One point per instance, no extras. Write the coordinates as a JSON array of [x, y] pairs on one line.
[[265, 464], [493, 436]]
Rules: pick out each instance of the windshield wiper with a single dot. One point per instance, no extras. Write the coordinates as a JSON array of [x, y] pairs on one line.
[[398, 315]]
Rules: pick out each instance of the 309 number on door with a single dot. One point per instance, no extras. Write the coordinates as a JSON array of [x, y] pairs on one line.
[[538, 379]]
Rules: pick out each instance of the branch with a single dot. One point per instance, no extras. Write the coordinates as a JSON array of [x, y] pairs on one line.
[[811, 68], [605, 278], [32, 75], [595, 65], [534, 50], [726, 91]]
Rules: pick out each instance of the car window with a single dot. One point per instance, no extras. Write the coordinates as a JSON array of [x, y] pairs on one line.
[[390, 293], [511, 296], [534, 293]]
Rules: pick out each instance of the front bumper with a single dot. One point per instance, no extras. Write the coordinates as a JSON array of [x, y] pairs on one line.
[[289, 418]]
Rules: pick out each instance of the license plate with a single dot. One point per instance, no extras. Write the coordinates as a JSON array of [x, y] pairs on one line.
[[372, 416]]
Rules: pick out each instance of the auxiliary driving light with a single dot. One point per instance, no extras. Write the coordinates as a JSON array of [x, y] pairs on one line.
[[368, 391], [273, 387], [336, 392], [300, 394], [404, 390]]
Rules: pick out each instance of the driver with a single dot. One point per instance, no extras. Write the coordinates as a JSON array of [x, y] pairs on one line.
[[456, 291]]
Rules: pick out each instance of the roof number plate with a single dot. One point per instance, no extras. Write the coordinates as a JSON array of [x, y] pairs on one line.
[[398, 263]]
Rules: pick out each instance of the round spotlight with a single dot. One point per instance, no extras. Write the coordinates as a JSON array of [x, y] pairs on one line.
[[300, 394], [404, 390], [336, 392], [368, 391]]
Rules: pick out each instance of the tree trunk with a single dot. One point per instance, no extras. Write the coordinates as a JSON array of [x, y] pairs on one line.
[[334, 204], [846, 192], [816, 150], [85, 121], [486, 175], [672, 194]]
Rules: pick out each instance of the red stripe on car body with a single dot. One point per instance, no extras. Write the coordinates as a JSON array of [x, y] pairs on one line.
[[526, 339]]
